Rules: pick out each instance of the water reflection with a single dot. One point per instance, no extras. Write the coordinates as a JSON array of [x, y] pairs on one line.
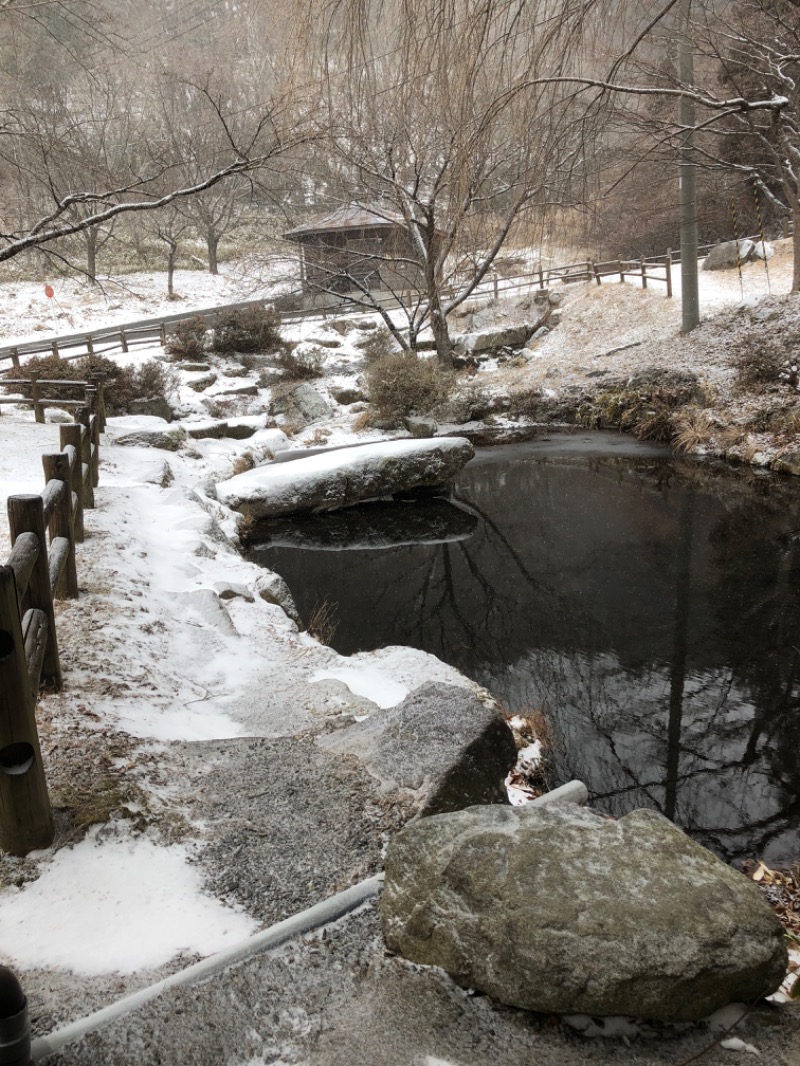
[[651, 607]]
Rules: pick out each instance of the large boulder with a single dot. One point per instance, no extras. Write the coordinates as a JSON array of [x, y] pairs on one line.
[[729, 255], [344, 476], [311, 405], [441, 746], [559, 909], [488, 340]]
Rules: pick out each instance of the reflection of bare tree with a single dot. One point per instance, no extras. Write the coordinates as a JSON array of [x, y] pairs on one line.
[[576, 595]]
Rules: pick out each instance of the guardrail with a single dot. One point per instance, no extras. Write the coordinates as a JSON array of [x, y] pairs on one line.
[[44, 530]]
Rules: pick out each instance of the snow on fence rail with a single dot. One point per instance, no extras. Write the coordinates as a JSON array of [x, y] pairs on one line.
[[40, 568]]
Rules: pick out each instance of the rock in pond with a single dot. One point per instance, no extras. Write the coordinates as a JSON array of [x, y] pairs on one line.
[[345, 476], [560, 909]]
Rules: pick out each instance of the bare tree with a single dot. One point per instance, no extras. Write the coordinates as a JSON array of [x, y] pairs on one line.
[[431, 111]]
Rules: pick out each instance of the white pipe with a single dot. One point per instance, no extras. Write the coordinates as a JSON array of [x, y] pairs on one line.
[[320, 914], [571, 792]]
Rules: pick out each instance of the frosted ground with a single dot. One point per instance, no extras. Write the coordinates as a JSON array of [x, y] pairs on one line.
[[153, 659]]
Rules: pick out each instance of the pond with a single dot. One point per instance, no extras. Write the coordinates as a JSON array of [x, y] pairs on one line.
[[651, 607]]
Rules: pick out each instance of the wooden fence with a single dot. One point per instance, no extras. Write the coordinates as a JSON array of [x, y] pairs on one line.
[[93, 395], [40, 568]]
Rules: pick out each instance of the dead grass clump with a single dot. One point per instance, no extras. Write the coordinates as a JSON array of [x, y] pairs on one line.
[[242, 463], [693, 429], [646, 406], [406, 384], [323, 622], [767, 359]]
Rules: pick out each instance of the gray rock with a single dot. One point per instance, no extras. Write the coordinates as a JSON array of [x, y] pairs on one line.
[[727, 255], [441, 744], [208, 430], [420, 427], [345, 476], [342, 325], [309, 403], [239, 429], [241, 390], [559, 909], [203, 382], [169, 440], [324, 342], [496, 337], [206, 604], [541, 332], [273, 589], [229, 590], [152, 405], [194, 368], [555, 299], [345, 396]]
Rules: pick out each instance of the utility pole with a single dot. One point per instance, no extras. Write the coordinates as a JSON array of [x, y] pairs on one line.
[[690, 298]]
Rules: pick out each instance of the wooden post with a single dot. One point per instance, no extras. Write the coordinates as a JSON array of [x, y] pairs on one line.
[[26, 515], [123, 340], [669, 274], [15, 357], [541, 276], [621, 266], [56, 352], [592, 269], [163, 333], [26, 820], [36, 393], [644, 273], [56, 468], [89, 344], [98, 381], [70, 435], [496, 286], [82, 417]]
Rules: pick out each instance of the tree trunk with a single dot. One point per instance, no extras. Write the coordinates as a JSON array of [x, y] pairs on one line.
[[796, 245], [441, 334], [212, 240], [91, 253], [172, 255]]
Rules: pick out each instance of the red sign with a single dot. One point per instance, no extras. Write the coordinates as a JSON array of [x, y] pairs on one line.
[[49, 291]]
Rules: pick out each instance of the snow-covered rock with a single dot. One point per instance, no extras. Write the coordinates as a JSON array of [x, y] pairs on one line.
[[728, 255], [344, 477]]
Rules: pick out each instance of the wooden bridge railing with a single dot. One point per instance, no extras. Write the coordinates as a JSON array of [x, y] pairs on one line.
[[44, 530]]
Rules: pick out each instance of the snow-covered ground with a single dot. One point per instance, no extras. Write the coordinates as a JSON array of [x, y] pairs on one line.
[[154, 657]]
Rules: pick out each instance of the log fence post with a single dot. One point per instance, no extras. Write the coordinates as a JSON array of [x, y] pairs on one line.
[[36, 395], [54, 347], [643, 266], [26, 515], [123, 340], [98, 381], [26, 818], [668, 265], [82, 417], [56, 468], [70, 437]]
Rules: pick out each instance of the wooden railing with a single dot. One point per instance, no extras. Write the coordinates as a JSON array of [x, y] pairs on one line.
[[44, 530], [93, 395]]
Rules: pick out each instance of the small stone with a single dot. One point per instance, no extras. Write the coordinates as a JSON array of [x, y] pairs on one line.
[[200, 384]]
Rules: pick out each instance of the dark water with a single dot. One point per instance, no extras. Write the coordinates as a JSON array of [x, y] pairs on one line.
[[651, 607]]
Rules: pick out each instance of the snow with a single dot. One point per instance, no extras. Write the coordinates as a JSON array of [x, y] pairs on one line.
[[366, 681], [115, 905]]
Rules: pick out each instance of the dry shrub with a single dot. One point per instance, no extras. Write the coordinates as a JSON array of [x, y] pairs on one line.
[[377, 345], [187, 339], [242, 463], [767, 360], [123, 384], [247, 329], [404, 384], [301, 365]]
